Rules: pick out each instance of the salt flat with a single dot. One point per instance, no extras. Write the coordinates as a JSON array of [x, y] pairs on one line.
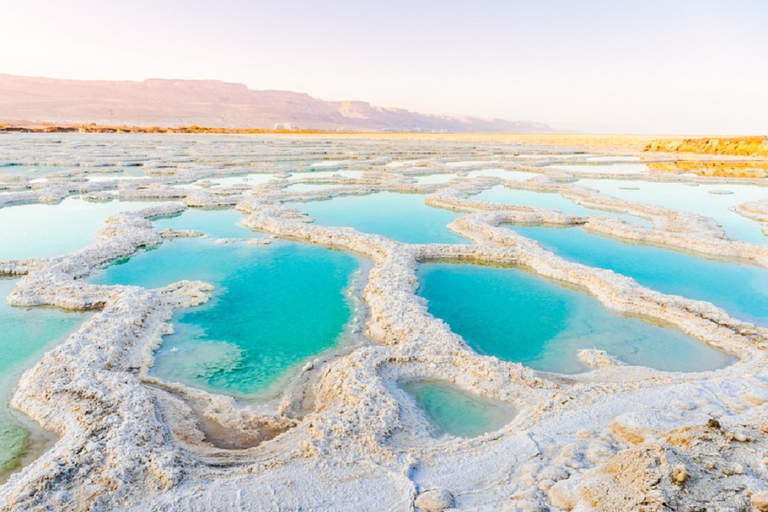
[[226, 240]]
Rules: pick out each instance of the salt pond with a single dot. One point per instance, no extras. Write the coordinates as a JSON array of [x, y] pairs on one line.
[[454, 411], [521, 317], [503, 195], [273, 308], [402, 217], [741, 290], [214, 223], [702, 199], [26, 334], [43, 230]]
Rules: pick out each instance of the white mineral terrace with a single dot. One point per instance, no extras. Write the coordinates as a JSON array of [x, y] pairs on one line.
[[342, 435]]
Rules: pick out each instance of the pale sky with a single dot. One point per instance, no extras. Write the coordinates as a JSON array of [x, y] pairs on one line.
[[661, 66]]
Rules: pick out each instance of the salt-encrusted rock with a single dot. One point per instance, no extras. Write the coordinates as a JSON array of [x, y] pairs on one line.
[[564, 494], [434, 500], [598, 358], [759, 501], [680, 474]]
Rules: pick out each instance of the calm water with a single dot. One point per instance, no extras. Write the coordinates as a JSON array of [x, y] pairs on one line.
[[698, 199], [274, 307], [454, 411], [26, 334], [42, 231], [553, 201], [520, 317], [402, 217], [741, 290], [214, 223]]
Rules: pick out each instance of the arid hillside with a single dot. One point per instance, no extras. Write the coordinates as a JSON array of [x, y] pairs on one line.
[[215, 103]]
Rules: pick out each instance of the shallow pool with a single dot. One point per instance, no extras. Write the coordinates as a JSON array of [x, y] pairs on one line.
[[517, 316], [214, 223], [554, 201], [273, 308], [402, 217], [454, 411], [26, 334], [43, 231], [742, 290], [701, 199]]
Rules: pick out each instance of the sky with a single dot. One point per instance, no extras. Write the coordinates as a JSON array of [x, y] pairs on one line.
[[626, 66]]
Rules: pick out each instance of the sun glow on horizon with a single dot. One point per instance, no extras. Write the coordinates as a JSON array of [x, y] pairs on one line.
[[680, 66]]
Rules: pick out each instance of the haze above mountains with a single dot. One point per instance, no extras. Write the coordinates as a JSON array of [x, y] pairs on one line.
[[160, 102]]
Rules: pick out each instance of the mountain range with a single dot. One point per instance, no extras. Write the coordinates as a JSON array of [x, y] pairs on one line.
[[162, 102]]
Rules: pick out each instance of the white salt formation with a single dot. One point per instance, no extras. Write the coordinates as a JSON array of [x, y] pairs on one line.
[[340, 437]]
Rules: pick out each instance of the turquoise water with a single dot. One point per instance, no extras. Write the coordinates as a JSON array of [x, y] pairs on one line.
[[696, 199], [454, 411], [26, 334], [214, 223], [401, 217], [42, 230], [741, 290], [554, 201], [273, 308], [517, 316]]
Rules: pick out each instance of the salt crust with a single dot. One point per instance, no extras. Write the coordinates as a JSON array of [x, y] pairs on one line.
[[344, 436]]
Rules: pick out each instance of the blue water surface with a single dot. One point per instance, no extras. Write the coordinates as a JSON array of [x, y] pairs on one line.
[[402, 217], [273, 308], [454, 411], [741, 290], [517, 316]]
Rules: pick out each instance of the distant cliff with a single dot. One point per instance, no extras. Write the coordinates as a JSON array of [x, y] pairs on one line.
[[214, 103]]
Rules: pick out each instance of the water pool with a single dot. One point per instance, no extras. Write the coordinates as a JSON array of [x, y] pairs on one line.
[[455, 412], [697, 199], [26, 334], [517, 316], [503, 195], [43, 231], [402, 217], [742, 290], [273, 308]]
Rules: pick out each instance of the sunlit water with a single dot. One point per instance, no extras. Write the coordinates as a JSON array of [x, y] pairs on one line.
[[697, 199], [26, 333], [214, 223], [521, 317], [274, 307], [741, 290], [42, 230], [402, 217], [454, 411], [553, 201]]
